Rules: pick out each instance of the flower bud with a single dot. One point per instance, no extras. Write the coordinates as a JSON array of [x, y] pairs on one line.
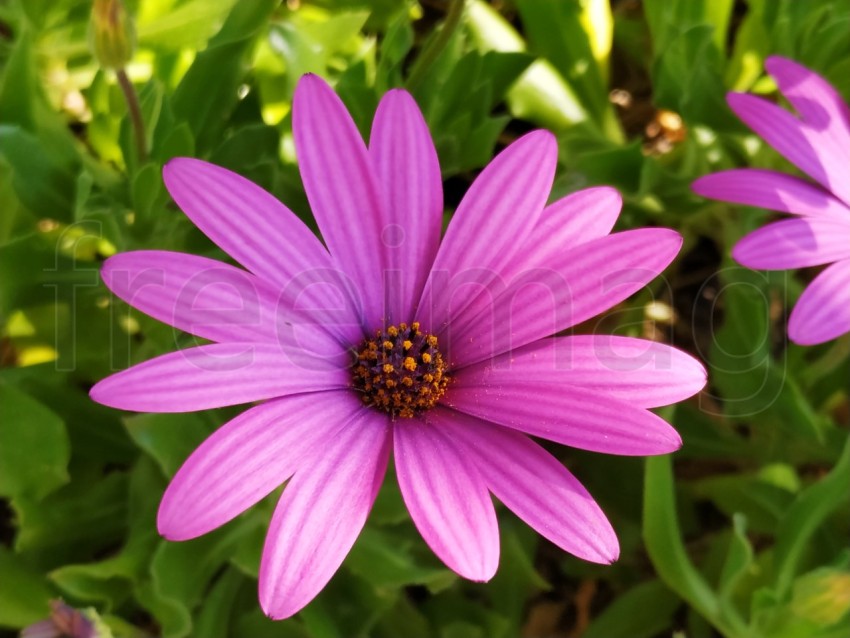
[[111, 34]]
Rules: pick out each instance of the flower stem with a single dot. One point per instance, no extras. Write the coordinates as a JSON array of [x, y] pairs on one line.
[[136, 119], [435, 47]]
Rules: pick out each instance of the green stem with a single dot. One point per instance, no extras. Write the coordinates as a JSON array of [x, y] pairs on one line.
[[136, 120], [669, 557], [431, 52]]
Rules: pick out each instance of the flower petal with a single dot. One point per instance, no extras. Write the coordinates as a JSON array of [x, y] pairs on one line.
[[555, 290], [822, 109], [515, 468], [247, 458], [219, 374], [805, 146], [205, 297], [771, 190], [575, 219], [259, 232], [497, 214], [641, 372], [447, 499], [408, 173], [321, 513], [794, 243], [337, 173], [823, 310], [567, 415]]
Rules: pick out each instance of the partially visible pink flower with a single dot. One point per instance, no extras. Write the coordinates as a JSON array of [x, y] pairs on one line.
[[66, 622], [817, 141], [388, 337]]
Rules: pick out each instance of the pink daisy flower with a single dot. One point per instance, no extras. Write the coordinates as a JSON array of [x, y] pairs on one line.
[[388, 338], [817, 141]]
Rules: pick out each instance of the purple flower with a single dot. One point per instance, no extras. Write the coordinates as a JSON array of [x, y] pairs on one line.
[[65, 622], [389, 338], [817, 141]]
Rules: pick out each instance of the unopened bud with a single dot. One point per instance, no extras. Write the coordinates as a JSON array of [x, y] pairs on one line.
[[111, 34]]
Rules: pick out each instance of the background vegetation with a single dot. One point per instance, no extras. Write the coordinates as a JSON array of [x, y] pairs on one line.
[[742, 533]]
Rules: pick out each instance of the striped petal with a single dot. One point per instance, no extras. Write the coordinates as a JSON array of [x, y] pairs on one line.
[[806, 146], [206, 298], [559, 289], [794, 243], [771, 190], [342, 190], [259, 232], [447, 499], [823, 311], [824, 111], [571, 416], [535, 486], [321, 513], [496, 216], [247, 458], [217, 375], [408, 173], [640, 372]]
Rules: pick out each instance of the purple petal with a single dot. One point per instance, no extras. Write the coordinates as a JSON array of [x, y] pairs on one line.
[[337, 173], [638, 371], [794, 243], [217, 375], [809, 148], [248, 457], [447, 499], [823, 311], [204, 297], [824, 111], [575, 219], [321, 513], [771, 190], [408, 173], [497, 215], [535, 486], [567, 415], [268, 239], [559, 289]]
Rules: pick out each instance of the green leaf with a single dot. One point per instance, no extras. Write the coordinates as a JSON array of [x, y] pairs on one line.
[[34, 448], [219, 605], [667, 551], [564, 34], [688, 78], [168, 438], [761, 503], [75, 522], [540, 95], [381, 559], [517, 579], [641, 612], [207, 94], [189, 24], [44, 186], [739, 558], [805, 515], [24, 594]]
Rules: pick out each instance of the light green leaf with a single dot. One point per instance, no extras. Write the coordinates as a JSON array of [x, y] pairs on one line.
[[667, 551], [805, 515], [34, 447]]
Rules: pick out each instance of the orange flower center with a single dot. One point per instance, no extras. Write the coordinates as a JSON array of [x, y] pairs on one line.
[[400, 371]]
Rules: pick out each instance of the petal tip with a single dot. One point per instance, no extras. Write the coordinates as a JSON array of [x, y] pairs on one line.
[[703, 186], [99, 393]]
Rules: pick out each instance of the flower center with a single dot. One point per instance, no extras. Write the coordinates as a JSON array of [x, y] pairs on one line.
[[400, 371]]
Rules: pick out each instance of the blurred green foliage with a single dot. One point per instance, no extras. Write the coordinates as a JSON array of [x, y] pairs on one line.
[[744, 532]]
